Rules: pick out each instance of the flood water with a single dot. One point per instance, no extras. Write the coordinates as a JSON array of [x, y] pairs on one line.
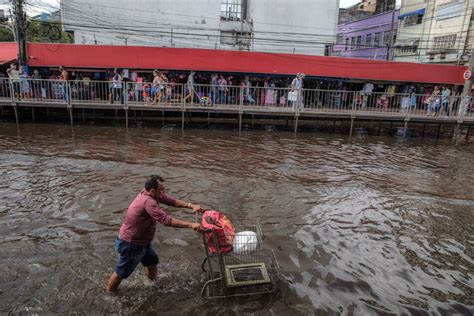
[[375, 225]]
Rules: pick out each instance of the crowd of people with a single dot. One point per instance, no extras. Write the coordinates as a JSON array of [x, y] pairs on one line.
[[158, 87]]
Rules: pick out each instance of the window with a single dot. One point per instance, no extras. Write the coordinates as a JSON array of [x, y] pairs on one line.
[[409, 47], [444, 42], [231, 10], [347, 44], [377, 39], [386, 37], [353, 42], [368, 40], [359, 42], [339, 39], [413, 20]]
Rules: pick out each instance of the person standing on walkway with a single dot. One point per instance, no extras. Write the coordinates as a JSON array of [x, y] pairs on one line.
[[214, 87], [247, 92], [155, 86], [117, 87], [190, 87], [134, 242], [14, 76], [24, 84], [222, 85], [64, 77], [445, 93], [296, 90]]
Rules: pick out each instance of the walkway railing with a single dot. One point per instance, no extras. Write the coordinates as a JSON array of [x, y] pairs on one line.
[[242, 98]]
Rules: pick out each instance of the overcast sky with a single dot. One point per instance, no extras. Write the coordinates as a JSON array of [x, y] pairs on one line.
[[346, 3]]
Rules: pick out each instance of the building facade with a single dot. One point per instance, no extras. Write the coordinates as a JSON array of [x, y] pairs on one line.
[[302, 27], [364, 9], [369, 38], [438, 31]]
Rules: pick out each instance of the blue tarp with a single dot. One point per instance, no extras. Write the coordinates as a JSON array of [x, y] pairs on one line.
[[417, 12]]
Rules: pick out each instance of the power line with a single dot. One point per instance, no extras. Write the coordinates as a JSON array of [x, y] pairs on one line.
[[71, 8], [94, 20], [293, 42]]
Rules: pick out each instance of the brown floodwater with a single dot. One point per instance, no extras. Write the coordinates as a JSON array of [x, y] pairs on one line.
[[372, 225]]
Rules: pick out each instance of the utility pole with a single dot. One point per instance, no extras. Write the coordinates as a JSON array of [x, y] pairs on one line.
[[466, 92], [466, 98], [20, 31], [390, 41]]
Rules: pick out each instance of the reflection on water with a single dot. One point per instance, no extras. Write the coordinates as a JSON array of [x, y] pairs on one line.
[[369, 227]]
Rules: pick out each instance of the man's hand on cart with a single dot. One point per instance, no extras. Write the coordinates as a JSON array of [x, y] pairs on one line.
[[197, 227]]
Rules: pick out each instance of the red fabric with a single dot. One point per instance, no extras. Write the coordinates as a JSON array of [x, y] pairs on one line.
[[136, 57], [223, 228]]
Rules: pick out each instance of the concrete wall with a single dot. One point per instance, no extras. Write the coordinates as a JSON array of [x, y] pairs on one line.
[[300, 26], [412, 33], [436, 23], [377, 24]]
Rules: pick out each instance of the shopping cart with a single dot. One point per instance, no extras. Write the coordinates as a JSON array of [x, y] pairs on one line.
[[247, 269]]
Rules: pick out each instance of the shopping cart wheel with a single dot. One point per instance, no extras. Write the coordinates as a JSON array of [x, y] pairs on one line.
[[206, 293]]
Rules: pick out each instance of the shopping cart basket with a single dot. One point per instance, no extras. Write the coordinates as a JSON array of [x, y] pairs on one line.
[[247, 269]]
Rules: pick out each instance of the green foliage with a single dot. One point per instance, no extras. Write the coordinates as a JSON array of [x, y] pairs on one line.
[[6, 35], [46, 32]]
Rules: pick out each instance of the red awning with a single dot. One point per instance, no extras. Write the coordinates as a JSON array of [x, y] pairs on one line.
[[8, 52], [136, 57]]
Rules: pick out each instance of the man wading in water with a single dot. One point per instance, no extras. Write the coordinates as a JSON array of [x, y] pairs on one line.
[[133, 243]]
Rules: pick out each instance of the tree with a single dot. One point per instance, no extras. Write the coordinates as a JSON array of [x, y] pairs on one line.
[[6, 35], [47, 32], [39, 32]]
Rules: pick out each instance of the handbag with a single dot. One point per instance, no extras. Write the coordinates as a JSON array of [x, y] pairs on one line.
[[292, 96]]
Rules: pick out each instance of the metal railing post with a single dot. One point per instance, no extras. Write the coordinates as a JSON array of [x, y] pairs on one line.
[[13, 100], [353, 112], [241, 107], [12, 92], [183, 106], [125, 103], [407, 118], [68, 94]]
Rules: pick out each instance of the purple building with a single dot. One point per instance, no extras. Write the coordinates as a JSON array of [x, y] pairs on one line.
[[367, 38]]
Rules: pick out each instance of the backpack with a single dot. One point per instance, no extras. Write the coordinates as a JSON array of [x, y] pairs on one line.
[[223, 228]]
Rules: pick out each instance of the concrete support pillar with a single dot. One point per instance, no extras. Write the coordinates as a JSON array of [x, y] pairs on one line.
[[405, 127], [126, 117], [17, 114], [240, 122], [71, 118], [352, 127]]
